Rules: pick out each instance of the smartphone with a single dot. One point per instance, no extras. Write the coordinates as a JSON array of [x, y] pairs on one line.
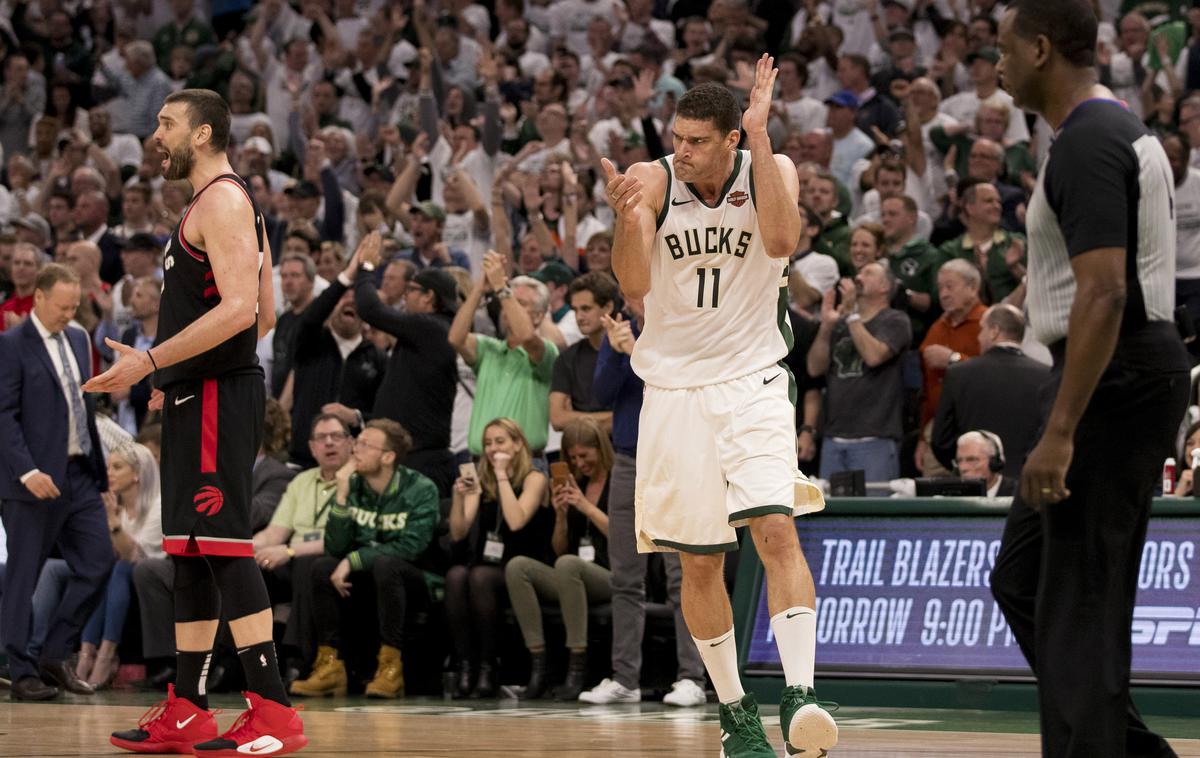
[[560, 474], [470, 475]]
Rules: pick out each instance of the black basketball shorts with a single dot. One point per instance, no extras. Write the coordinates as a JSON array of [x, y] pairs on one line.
[[211, 433]]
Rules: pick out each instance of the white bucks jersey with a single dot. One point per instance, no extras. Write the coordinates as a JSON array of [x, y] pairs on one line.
[[717, 306]]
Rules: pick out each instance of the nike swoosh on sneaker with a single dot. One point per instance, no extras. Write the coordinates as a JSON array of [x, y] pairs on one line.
[[185, 722], [264, 745]]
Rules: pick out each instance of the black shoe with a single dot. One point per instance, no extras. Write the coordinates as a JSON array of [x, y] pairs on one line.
[[157, 681], [462, 687], [569, 690], [32, 688], [61, 674], [485, 686], [537, 677]]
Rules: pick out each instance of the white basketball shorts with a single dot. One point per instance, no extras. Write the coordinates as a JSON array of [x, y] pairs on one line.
[[710, 458]]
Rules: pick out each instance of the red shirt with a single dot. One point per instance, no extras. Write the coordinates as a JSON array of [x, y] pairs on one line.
[[962, 339], [15, 304]]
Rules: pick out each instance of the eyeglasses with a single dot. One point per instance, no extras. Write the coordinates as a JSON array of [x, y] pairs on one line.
[[358, 442], [969, 459], [330, 436], [410, 287]]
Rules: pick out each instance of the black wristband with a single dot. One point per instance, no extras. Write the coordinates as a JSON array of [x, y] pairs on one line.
[[151, 357]]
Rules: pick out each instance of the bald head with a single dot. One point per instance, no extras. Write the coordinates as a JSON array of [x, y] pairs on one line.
[[84, 257]]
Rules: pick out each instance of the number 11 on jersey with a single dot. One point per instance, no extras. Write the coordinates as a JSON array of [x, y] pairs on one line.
[[716, 286]]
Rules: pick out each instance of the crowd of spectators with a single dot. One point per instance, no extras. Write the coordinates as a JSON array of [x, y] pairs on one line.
[[430, 177]]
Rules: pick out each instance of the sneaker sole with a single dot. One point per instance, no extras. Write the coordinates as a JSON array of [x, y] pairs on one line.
[[290, 745], [184, 748], [812, 732]]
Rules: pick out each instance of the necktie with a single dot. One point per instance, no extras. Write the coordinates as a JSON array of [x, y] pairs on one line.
[[75, 397]]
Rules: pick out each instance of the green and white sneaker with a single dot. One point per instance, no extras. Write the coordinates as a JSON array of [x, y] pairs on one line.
[[742, 733], [808, 729]]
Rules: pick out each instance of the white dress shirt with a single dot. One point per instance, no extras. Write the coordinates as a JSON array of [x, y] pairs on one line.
[[50, 342]]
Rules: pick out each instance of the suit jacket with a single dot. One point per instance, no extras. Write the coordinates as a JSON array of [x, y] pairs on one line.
[[33, 411], [1000, 392], [1008, 487], [111, 268], [268, 484]]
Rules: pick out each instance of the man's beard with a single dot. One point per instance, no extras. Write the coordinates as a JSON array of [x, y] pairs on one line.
[[180, 165]]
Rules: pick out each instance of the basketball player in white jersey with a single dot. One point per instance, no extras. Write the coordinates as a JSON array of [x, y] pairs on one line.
[[704, 236]]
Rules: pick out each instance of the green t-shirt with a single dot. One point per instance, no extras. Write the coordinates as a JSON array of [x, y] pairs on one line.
[[508, 385], [916, 266], [999, 281], [834, 241]]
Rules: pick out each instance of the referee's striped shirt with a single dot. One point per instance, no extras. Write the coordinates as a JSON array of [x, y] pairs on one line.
[[1106, 183]]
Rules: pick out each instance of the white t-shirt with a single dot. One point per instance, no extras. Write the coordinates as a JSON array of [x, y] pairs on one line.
[[569, 21], [1187, 227], [963, 107], [846, 152], [805, 114]]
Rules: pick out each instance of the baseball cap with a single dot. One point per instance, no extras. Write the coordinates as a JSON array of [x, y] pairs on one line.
[[33, 222], [303, 189], [258, 143], [441, 284], [843, 99], [989, 54], [554, 272], [143, 241], [430, 209]]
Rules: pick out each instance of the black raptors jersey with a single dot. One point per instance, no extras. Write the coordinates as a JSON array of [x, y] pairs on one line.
[[190, 290]]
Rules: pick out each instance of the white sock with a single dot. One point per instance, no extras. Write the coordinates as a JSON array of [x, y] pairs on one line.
[[796, 637], [720, 658]]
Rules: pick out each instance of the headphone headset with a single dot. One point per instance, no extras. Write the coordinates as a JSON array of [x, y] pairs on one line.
[[996, 461]]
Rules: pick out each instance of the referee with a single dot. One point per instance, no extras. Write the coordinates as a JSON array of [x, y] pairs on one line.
[[1101, 296]]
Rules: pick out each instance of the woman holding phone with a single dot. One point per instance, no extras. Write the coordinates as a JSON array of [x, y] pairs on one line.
[[500, 515], [579, 575]]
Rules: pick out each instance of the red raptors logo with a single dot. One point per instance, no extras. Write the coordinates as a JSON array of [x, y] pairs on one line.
[[738, 199], [208, 500]]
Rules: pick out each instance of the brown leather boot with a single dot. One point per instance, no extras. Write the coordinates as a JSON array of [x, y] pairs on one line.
[[328, 676], [389, 677]]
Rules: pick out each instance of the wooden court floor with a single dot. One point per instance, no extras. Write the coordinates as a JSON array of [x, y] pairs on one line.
[[417, 728]]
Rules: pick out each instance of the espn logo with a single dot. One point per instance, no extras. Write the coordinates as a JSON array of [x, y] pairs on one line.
[[1154, 624]]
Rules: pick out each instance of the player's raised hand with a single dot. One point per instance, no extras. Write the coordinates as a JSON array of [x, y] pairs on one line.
[[754, 120], [131, 367], [623, 192]]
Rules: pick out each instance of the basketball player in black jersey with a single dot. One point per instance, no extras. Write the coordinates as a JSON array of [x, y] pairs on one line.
[[217, 302]]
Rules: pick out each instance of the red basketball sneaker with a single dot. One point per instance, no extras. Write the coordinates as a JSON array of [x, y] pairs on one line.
[[266, 728], [173, 726]]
